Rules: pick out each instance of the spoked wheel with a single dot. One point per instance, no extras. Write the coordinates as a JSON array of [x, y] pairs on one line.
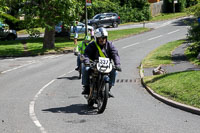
[[103, 99], [90, 100]]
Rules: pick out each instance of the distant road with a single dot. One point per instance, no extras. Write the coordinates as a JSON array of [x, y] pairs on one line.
[[146, 24]]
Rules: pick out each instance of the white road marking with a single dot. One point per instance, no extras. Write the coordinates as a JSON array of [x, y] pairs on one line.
[[32, 105], [154, 37], [18, 67], [173, 32], [131, 45], [31, 62], [51, 56], [164, 24]]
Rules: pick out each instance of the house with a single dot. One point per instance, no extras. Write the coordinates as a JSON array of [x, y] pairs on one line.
[[153, 1]]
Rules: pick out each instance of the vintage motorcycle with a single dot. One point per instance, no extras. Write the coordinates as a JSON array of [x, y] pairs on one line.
[[99, 83]]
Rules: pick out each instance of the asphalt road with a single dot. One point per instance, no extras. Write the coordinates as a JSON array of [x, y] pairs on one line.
[[43, 94]]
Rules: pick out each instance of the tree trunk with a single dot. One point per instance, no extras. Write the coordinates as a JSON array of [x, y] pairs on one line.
[[49, 38]]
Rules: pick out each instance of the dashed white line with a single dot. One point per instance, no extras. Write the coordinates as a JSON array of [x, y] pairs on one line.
[[32, 105], [154, 37], [52, 56], [18, 67], [173, 32], [131, 45]]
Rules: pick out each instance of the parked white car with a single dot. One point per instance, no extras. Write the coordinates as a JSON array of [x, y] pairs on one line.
[[80, 27]]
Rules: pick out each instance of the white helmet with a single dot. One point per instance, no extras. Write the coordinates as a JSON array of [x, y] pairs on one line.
[[101, 32]]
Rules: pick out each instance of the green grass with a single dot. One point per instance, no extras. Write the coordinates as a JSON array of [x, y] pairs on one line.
[[114, 35], [166, 16], [34, 46], [161, 55], [183, 87]]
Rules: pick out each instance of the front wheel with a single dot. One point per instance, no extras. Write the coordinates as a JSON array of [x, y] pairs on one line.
[[103, 99]]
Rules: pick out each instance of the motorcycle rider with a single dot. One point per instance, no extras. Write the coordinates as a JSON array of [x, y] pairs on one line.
[[100, 48], [80, 50]]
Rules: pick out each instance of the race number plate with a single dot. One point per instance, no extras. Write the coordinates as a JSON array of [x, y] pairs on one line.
[[104, 62]]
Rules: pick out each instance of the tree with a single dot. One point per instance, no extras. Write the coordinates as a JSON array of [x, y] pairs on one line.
[[47, 13], [194, 30], [3, 8]]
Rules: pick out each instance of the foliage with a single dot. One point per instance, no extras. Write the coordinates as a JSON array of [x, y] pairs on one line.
[[194, 30], [48, 13], [190, 3], [192, 52], [101, 6], [194, 36], [179, 7], [129, 11], [195, 9], [3, 8]]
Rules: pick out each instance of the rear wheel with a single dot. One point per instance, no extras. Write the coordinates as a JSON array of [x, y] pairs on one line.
[[115, 24], [103, 99]]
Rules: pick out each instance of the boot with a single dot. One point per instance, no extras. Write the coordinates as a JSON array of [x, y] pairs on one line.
[[77, 68], [86, 90], [109, 93]]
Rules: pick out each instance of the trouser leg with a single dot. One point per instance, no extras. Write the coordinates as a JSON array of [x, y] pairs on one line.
[[78, 61], [112, 76], [85, 75]]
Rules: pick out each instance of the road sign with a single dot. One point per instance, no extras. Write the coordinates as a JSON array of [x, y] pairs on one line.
[[88, 2]]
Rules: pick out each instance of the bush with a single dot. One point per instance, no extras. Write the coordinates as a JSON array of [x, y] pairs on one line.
[[194, 36], [179, 7], [194, 32]]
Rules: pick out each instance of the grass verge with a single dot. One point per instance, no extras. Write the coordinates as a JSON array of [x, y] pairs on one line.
[[183, 87], [161, 55], [167, 16]]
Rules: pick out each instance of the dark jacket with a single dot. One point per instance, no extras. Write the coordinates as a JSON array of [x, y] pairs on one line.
[[109, 50]]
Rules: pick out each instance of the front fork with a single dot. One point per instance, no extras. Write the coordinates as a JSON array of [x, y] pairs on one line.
[[97, 85]]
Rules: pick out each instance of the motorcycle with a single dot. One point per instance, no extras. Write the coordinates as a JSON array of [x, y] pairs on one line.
[[99, 83]]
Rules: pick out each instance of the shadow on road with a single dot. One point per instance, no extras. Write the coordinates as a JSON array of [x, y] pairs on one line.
[[70, 78], [184, 22], [81, 109]]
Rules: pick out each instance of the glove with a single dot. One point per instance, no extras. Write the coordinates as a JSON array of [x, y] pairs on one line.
[[118, 68]]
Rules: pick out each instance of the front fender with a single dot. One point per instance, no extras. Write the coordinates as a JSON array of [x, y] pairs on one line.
[[106, 78]]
